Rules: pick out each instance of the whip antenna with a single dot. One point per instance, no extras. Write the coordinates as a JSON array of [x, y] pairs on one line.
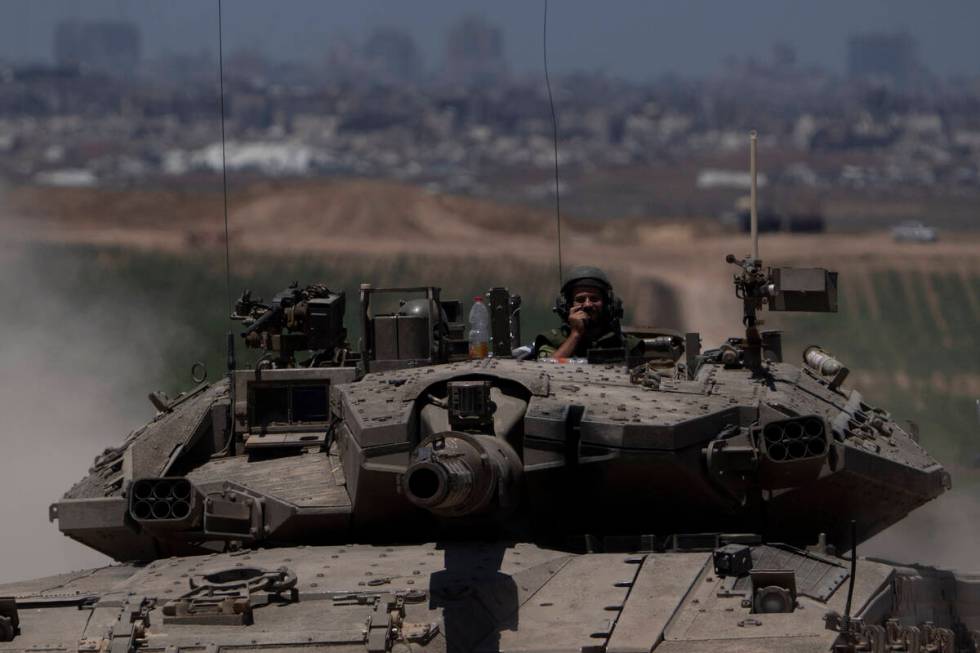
[[224, 192], [224, 165], [753, 209], [753, 194], [554, 123]]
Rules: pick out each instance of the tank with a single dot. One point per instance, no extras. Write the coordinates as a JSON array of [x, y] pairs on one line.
[[396, 496]]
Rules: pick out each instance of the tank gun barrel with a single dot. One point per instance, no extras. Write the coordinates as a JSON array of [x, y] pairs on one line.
[[458, 474], [263, 321]]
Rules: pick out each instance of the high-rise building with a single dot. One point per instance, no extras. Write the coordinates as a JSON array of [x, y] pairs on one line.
[[891, 58], [392, 55], [111, 47], [475, 51]]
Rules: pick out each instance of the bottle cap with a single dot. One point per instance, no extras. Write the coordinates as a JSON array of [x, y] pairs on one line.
[[478, 298]]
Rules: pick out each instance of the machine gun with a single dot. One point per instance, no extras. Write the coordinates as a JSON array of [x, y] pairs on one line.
[[781, 288], [297, 319]]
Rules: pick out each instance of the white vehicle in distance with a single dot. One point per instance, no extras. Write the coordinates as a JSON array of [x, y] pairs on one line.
[[914, 232]]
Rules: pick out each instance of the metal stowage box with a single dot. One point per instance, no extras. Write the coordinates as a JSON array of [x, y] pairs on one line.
[[733, 560]]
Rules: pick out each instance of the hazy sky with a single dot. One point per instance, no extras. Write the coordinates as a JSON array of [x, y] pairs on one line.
[[631, 38]]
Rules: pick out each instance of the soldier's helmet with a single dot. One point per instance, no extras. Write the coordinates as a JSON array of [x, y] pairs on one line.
[[588, 275]]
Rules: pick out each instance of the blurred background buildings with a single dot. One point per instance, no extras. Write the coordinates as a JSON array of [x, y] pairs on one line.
[[108, 46], [102, 114]]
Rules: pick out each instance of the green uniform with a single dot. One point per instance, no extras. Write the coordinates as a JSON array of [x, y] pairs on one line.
[[546, 343]]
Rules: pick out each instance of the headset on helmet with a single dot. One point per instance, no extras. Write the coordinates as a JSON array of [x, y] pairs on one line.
[[612, 306]]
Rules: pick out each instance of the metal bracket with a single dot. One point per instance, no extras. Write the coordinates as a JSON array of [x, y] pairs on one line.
[[227, 597], [692, 349], [470, 407], [855, 635], [386, 618], [387, 625], [129, 630], [505, 324], [234, 513]]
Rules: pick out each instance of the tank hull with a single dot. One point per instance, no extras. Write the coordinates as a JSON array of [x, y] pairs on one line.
[[480, 597]]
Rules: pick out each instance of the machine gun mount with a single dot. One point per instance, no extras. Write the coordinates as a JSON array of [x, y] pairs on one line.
[[297, 319]]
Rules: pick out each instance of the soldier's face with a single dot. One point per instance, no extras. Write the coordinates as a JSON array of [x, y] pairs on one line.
[[587, 299]]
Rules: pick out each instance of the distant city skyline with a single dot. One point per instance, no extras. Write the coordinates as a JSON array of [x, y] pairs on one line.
[[634, 39]]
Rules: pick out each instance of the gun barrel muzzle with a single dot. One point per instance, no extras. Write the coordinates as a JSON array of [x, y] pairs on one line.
[[457, 474]]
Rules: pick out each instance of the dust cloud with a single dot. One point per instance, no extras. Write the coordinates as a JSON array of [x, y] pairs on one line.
[[75, 368], [944, 533]]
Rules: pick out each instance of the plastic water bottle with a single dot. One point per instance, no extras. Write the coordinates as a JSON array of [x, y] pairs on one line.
[[479, 329]]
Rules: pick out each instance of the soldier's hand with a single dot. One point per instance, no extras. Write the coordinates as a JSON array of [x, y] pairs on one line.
[[578, 320]]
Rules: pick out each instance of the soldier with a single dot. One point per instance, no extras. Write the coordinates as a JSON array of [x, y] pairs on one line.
[[590, 313]]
